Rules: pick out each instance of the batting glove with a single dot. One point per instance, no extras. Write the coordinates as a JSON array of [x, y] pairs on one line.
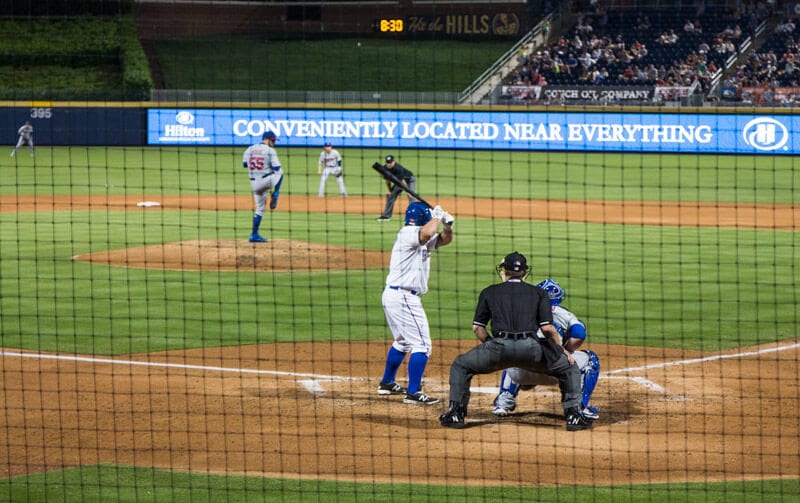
[[448, 219], [437, 212]]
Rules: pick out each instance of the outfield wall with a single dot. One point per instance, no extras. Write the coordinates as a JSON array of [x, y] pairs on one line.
[[70, 125]]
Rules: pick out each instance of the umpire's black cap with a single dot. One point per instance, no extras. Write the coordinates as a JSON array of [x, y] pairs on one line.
[[389, 158], [515, 261]]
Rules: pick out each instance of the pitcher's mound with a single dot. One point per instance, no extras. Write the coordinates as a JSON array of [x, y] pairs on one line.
[[240, 255]]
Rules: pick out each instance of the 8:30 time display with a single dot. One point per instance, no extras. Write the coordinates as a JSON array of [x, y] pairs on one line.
[[394, 25]]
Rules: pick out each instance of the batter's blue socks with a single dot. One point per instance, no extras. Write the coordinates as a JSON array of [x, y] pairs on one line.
[[393, 361], [256, 223], [416, 367]]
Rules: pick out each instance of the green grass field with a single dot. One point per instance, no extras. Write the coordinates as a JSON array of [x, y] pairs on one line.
[[130, 484], [677, 287], [339, 64], [697, 288]]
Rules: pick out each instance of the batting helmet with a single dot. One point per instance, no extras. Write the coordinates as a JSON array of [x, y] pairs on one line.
[[554, 291], [418, 214], [269, 135]]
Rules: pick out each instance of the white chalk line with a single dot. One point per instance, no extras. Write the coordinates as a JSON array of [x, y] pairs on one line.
[[312, 384], [183, 366], [705, 359]]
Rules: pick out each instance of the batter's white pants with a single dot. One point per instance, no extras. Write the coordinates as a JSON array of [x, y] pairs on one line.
[[407, 321]]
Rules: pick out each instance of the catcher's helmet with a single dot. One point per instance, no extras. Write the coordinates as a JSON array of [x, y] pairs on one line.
[[418, 214], [554, 291]]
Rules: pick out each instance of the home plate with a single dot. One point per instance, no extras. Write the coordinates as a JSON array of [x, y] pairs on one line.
[[147, 204]]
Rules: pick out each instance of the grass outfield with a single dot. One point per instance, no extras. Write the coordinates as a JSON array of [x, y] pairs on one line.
[[124, 483], [694, 288], [341, 64]]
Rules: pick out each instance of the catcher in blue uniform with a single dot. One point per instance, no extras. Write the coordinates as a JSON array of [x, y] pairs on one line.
[[573, 335]]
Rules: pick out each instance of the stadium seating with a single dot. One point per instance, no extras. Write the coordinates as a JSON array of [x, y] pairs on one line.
[[674, 47]]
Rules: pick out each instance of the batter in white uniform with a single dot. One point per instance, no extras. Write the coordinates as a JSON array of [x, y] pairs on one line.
[[264, 170], [409, 269], [330, 164]]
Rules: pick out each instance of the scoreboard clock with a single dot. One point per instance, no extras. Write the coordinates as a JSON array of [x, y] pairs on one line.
[[390, 25]]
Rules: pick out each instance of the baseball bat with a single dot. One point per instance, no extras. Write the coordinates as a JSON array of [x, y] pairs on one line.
[[388, 175]]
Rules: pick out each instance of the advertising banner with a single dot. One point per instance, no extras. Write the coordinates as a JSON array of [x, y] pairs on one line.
[[573, 131]]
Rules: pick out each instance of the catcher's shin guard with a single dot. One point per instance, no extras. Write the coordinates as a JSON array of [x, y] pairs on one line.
[[506, 384], [590, 376]]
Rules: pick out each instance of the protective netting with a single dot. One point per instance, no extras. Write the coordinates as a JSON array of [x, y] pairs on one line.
[[153, 349]]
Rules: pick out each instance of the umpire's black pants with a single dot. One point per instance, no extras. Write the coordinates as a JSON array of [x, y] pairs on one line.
[[498, 354]]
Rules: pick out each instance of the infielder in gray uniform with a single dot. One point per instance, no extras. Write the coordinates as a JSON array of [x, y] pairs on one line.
[[25, 133], [264, 170], [330, 164]]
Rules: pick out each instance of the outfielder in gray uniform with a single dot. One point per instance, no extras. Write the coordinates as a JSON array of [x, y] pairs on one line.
[[522, 336], [25, 133], [330, 164], [264, 170], [573, 335]]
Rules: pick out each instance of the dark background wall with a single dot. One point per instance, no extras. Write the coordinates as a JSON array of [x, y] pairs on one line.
[[112, 126]]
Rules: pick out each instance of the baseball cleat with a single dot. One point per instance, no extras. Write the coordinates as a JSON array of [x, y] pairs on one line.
[[391, 389], [256, 238], [454, 417], [420, 398], [383, 219], [590, 412], [500, 411], [504, 404], [576, 421]]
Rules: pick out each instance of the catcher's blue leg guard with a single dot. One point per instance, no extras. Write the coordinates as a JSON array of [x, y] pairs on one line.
[[590, 376], [506, 384]]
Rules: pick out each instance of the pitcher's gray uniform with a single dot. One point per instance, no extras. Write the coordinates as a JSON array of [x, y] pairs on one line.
[[330, 164], [25, 133], [264, 170]]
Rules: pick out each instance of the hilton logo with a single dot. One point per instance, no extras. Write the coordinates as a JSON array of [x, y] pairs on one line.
[[765, 134]]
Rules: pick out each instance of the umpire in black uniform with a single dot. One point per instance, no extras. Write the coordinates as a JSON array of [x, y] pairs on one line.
[[523, 336], [406, 176]]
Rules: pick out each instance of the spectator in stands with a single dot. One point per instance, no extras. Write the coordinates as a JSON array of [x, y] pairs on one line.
[[583, 27], [787, 26], [668, 37], [572, 64], [642, 23], [688, 26]]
